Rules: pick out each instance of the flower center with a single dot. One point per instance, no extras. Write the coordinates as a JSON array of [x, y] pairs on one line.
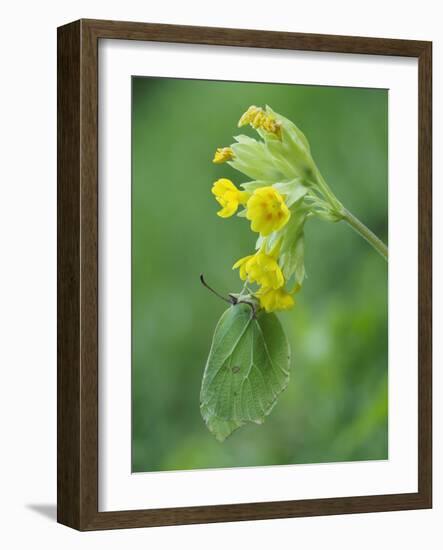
[[272, 208]]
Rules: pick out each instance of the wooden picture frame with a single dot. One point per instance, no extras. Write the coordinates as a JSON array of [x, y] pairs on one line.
[[78, 274]]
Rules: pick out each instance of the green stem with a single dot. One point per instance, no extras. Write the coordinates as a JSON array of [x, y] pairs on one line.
[[366, 233], [327, 193], [245, 287], [341, 212]]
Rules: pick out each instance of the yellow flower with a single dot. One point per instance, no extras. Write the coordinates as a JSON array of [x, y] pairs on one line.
[[228, 196], [267, 211], [223, 154], [275, 299], [259, 119], [261, 268]]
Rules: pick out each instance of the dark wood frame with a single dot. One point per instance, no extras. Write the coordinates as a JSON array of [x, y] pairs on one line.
[[77, 456]]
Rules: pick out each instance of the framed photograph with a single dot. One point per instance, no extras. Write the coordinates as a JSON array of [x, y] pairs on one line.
[[244, 275]]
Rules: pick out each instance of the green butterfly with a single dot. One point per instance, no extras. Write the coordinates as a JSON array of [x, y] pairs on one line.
[[246, 371]]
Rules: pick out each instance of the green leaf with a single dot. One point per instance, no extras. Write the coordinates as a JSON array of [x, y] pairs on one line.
[[247, 369]]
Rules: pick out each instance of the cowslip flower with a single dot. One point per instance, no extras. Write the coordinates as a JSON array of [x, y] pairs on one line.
[[267, 211], [228, 197], [275, 299], [261, 268], [259, 119], [223, 154]]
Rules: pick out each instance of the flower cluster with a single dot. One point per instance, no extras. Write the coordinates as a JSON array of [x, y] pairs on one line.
[[284, 189]]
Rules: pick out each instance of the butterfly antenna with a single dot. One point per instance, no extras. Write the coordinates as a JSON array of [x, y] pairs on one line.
[[205, 284]]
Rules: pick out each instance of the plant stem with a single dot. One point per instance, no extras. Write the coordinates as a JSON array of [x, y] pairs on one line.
[[337, 208], [366, 233]]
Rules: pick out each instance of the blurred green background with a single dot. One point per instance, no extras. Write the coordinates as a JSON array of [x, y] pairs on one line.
[[335, 408]]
